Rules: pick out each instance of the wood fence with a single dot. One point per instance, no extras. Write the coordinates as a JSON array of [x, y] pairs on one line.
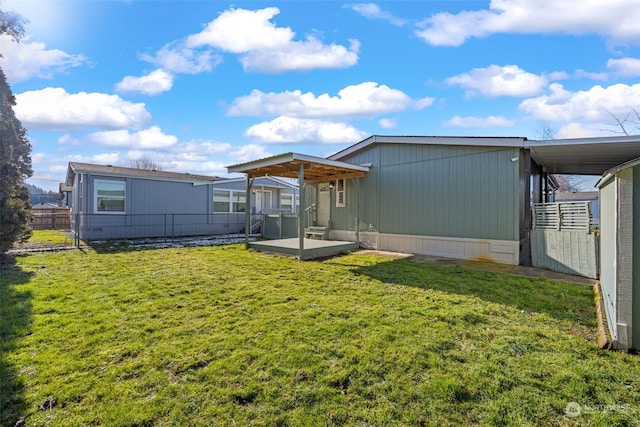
[[51, 218]]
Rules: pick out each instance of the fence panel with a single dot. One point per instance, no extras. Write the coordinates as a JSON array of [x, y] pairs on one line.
[[562, 239], [51, 218]]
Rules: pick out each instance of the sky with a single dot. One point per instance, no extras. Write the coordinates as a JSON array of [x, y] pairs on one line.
[[196, 86]]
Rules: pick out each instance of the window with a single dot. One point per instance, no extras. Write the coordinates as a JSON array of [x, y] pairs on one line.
[[110, 196], [221, 201], [341, 190], [286, 201], [225, 201], [81, 189], [239, 201]]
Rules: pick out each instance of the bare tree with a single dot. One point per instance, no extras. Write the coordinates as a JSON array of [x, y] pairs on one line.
[[571, 183], [627, 125], [545, 132], [145, 163]]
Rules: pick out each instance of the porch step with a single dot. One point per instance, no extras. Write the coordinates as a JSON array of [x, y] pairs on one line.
[[315, 232]]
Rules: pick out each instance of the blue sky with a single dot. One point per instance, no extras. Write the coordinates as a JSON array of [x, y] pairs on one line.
[[200, 85]]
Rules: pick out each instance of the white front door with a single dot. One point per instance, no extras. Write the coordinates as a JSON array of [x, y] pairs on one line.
[[260, 207], [323, 207]]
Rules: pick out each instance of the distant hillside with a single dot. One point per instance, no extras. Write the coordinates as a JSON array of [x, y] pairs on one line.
[[39, 195]]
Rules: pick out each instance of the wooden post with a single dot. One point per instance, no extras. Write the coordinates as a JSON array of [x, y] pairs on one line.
[[301, 211], [247, 213], [358, 212]]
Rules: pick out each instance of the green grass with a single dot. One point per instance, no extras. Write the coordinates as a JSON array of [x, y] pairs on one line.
[[46, 238], [224, 336]]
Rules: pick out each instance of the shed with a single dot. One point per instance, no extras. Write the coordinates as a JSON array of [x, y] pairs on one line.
[[620, 252]]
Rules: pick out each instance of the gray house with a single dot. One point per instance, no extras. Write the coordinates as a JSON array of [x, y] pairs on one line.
[[457, 197], [111, 202], [620, 252]]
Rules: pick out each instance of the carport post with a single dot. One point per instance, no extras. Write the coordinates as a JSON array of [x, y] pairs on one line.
[[247, 212], [358, 212], [301, 211]]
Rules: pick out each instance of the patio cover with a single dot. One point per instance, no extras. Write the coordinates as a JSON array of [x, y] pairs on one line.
[[287, 165], [303, 168]]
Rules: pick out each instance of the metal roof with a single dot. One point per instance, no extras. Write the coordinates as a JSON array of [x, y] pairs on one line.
[[484, 141], [580, 156], [287, 165], [119, 171], [584, 156]]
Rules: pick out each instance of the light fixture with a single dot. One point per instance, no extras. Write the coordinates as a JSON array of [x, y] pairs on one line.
[[331, 185], [515, 159]]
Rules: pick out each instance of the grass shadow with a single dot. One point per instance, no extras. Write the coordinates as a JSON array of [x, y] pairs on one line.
[[563, 301], [15, 323]]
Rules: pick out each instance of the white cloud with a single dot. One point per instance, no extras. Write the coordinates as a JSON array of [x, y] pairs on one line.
[[591, 75], [373, 11], [241, 31], [201, 148], [301, 56], [151, 138], [293, 130], [154, 83], [626, 67], [105, 158], [177, 58], [578, 130], [616, 20], [54, 108], [493, 81], [67, 139], [593, 105], [264, 47], [388, 123], [364, 99], [479, 122], [249, 152], [22, 61]]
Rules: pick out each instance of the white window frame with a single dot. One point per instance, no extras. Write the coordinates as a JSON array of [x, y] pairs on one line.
[[341, 193], [230, 201], [291, 201], [95, 196], [234, 202]]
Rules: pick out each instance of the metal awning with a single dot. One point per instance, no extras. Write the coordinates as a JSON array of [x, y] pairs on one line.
[[584, 156], [316, 169]]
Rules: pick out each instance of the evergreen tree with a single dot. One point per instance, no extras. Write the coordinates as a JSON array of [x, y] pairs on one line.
[[15, 156]]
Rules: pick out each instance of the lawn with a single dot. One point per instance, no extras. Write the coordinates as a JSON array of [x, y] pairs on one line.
[[46, 239], [224, 336]]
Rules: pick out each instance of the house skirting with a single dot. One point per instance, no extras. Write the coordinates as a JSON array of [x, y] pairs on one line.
[[499, 251]]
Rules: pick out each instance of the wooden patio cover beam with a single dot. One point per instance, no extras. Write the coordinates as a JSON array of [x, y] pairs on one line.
[[316, 169]]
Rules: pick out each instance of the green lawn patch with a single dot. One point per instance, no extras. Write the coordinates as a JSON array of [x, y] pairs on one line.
[[224, 336], [46, 239]]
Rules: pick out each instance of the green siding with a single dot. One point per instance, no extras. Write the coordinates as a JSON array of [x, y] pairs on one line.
[[436, 190], [636, 258]]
